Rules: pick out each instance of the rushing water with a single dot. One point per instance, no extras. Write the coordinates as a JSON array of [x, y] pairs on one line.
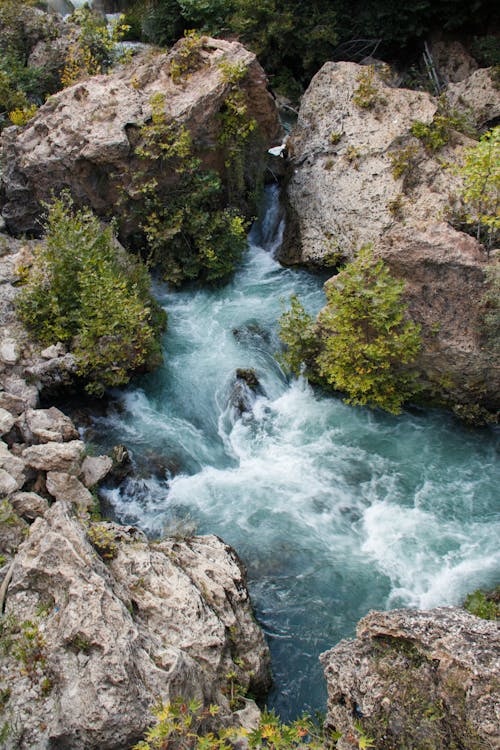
[[334, 510]]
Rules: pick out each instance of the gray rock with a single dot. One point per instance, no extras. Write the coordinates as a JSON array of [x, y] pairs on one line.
[[478, 97], [417, 679], [83, 137], [46, 425], [7, 421], [29, 505], [51, 374], [14, 404], [9, 351], [13, 465], [95, 468], [119, 636], [51, 352], [67, 487], [8, 484], [65, 457], [18, 387]]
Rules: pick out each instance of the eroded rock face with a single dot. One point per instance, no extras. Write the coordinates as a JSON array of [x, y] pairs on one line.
[[84, 137], [358, 175], [419, 679], [153, 622]]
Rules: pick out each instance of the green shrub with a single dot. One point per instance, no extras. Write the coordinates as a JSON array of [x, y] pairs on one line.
[[103, 539], [188, 234], [363, 344], [366, 95], [183, 725], [299, 334], [482, 605], [367, 340], [480, 173], [83, 290]]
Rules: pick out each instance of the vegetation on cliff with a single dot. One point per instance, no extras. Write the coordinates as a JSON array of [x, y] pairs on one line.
[[83, 289], [363, 342]]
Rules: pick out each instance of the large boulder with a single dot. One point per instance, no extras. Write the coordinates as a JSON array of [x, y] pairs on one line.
[[358, 175], [118, 624], [84, 138], [416, 679]]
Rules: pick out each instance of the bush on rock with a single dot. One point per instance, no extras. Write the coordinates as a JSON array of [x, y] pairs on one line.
[[85, 291]]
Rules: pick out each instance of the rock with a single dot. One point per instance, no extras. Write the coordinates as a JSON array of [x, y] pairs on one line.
[[6, 421], [13, 465], [67, 487], [50, 375], [9, 351], [444, 275], [83, 137], [153, 623], [343, 193], [13, 404], [29, 505], [416, 679], [12, 532], [8, 484], [122, 463], [452, 60], [46, 425], [477, 96], [18, 387], [95, 468], [66, 457], [54, 351]]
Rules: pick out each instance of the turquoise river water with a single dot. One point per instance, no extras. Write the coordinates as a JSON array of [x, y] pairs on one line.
[[334, 510]]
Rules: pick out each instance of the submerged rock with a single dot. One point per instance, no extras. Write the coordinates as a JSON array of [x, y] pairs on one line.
[[120, 624], [419, 679]]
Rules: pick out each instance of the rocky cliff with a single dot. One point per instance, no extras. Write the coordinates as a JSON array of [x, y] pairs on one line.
[[416, 679], [85, 137], [358, 175]]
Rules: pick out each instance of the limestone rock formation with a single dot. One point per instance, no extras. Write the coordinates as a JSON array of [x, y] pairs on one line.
[[119, 624], [357, 175], [420, 679], [84, 137]]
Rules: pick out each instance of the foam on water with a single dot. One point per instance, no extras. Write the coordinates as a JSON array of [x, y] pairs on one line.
[[334, 510]]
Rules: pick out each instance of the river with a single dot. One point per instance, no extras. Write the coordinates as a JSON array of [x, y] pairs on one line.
[[334, 510]]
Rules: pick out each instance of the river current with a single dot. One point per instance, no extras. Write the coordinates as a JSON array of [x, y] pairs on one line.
[[334, 510]]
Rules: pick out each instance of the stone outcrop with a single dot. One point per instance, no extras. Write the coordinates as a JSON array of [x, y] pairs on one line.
[[84, 138], [357, 175], [118, 625], [420, 679]]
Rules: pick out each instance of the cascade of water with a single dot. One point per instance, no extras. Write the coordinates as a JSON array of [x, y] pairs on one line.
[[335, 510]]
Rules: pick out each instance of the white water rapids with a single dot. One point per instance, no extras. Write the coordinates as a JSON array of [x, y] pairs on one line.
[[334, 510]]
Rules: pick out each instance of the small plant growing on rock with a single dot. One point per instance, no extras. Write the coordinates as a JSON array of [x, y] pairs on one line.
[[438, 133], [187, 56], [366, 95], [403, 160], [103, 539], [22, 116]]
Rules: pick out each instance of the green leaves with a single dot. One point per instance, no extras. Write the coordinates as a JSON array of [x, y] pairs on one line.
[[83, 290], [480, 192], [362, 344]]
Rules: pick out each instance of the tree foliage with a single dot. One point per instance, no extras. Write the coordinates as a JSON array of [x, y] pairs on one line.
[[85, 291], [363, 343], [480, 173]]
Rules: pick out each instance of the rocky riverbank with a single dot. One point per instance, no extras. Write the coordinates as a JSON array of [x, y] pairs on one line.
[[358, 174]]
